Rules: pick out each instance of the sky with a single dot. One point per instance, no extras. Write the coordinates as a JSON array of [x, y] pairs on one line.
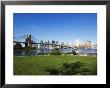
[[63, 27]]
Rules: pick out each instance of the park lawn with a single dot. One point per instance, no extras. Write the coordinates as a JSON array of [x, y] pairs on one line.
[[37, 65]]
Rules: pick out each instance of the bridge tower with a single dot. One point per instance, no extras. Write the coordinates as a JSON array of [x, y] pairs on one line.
[[28, 44]]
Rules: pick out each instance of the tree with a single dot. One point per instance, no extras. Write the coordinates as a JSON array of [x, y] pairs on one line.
[[56, 51], [18, 46], [74, 52]]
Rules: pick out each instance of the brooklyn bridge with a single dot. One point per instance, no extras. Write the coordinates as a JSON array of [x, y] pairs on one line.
[[31, 42]]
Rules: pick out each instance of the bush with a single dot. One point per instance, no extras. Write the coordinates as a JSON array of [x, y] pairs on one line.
[[56, 51], [74, 52], [53, 71], [70, 69], [17, 46]]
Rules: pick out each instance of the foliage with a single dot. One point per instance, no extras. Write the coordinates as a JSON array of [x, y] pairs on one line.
[[33, 48], [56, 51], [70, 69], [74, 52], [18, 46]]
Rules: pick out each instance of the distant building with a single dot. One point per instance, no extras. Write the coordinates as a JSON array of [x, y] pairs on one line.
[[88, 44], [84, 44], [47, 44], [41, 45], [94, 46], [53, 43], [57, 42], [77, 43]]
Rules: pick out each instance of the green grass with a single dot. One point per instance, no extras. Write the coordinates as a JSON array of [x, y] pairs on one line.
[[37, 65]]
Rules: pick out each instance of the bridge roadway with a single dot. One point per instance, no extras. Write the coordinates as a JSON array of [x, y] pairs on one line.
[[43, 43]]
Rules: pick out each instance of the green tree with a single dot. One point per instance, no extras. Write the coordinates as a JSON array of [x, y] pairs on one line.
[[56, 51], [74, 52], [18, 46]]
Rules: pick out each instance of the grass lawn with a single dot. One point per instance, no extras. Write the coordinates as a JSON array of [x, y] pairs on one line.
[[37, 65]]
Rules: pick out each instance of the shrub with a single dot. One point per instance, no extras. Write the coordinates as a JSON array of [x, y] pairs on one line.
[[18, 46], [70, 69], [74, 52], [56, 51]]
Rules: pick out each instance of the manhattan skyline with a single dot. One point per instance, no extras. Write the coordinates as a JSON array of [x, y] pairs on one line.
[[65, 27]]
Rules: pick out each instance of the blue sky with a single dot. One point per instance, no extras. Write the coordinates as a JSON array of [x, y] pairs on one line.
[[65, 27]]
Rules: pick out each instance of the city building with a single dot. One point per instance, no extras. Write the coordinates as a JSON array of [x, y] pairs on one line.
[[77, 43]]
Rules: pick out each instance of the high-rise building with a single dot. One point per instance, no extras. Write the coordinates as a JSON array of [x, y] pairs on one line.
[[41, 45], [88, 44], [77, 43]]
